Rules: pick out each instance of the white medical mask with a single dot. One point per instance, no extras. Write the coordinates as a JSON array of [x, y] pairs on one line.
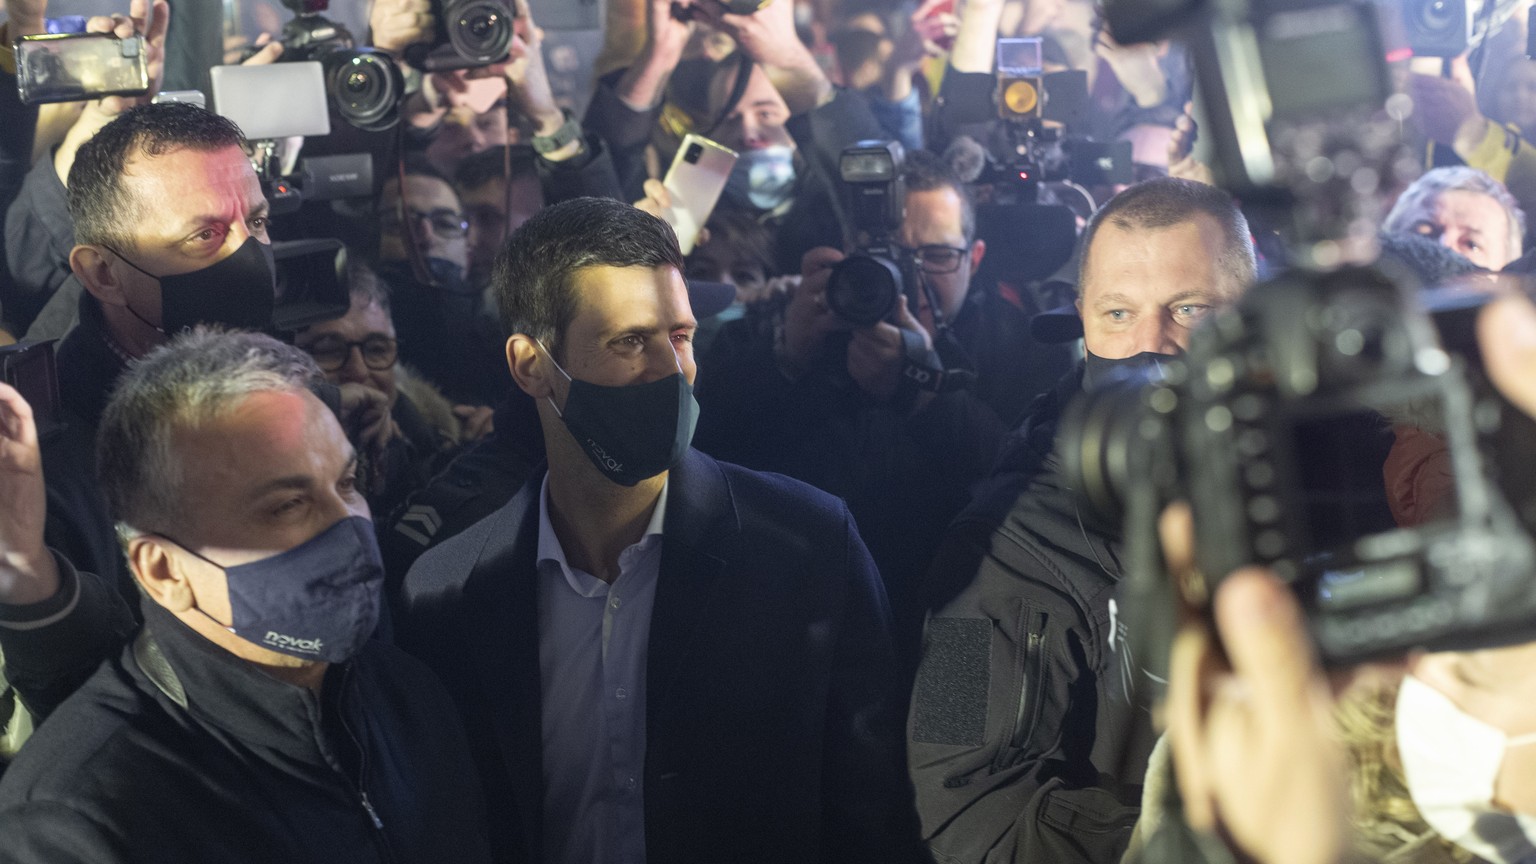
[[1451, 760]]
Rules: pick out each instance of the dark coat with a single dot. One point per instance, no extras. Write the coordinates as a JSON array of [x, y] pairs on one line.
[[177, 751], [1023, 742], [771, 677]]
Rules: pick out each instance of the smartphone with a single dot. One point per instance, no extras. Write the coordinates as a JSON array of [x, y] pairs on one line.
[[30, 368], [72, 67], [695, 180]]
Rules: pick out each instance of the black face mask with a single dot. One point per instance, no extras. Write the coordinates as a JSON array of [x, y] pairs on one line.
[[1098, 371], [634, 432], [238, 292]]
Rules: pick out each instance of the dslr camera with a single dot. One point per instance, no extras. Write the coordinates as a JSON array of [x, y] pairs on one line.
[[1320, 428], [363, 84], [467, 33], [864, 287]]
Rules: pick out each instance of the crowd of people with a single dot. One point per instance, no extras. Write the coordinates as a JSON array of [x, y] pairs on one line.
[[555, 544]]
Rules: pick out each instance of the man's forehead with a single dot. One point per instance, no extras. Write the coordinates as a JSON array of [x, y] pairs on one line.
[[1186, 251], [611, 295]]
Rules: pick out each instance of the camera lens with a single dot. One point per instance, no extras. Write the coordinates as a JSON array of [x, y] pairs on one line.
[[365, 89], [691, 156], [479, 30], [863, 290]]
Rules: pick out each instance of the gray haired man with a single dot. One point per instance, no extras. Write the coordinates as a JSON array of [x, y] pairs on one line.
[[1466, 211], [251, 718]]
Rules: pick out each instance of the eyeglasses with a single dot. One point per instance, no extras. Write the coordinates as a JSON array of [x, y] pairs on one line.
[[936, 260], [447, 224], [332, 352]]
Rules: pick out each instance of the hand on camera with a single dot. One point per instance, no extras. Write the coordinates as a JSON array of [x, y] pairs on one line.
[[28, 573], [365, 415], [1445, 109], [767, 36], [1181, 150], [267, 51], [397, 24], [1251, 727], [149, 21], [876, 354], [528, 87], [807, 320]]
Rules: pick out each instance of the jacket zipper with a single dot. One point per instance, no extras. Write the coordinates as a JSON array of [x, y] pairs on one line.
[[360, 787], [1027, 713]]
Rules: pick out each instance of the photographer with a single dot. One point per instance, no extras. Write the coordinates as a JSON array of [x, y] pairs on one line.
[[1256, 759], [445, 329], [1046, 725], [785, 119], [796, 389]]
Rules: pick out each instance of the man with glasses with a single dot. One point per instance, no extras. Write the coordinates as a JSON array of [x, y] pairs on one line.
[[794, 388], [403, 427], [445, 328]]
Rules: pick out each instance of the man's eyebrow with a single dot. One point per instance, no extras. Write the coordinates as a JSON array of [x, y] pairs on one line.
[[1112, 298], [293, 481]]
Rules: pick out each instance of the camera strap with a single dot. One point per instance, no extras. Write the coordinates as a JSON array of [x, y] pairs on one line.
[[923, 369], [744, 66]]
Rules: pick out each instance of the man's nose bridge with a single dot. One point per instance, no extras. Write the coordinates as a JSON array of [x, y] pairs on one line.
[[1155, 333]]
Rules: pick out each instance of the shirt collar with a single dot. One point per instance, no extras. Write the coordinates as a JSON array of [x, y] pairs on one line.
[[551, 550]]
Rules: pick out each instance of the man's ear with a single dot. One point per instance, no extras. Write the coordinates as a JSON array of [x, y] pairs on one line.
[[978, 252], [91, 265], [159, 573], [531, 369]]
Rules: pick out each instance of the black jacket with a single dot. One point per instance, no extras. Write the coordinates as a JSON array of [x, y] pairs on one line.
[[1022, 741], [39, 235], [771, 681], [18, 123], [177, 751]]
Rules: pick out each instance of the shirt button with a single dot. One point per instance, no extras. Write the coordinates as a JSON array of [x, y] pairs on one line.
[[621, 693], [614, 602], [630, 784]]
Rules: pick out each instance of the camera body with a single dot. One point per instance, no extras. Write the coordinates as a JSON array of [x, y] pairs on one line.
[[362, 84], [468, 33], [1318, 428], [1438, 28], [864, 287]]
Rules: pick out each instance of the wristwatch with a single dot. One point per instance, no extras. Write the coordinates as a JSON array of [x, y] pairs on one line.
[[569, 131]]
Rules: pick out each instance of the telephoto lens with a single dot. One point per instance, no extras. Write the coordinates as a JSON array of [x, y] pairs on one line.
[[366, 87]]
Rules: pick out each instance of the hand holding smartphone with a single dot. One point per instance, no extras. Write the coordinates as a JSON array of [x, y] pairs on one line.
[[697, 176], [72, 67]]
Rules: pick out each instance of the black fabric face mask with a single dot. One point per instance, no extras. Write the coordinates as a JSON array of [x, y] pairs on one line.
[[238, 292], [634, 432], [1098, 371]]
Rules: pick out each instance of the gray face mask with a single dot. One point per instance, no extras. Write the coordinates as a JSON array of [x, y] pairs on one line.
[[764, 179]]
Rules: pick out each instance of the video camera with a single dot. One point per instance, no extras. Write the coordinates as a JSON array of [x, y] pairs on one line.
[[362, 83], [467, 33], [1034, 143], [1319, 428]]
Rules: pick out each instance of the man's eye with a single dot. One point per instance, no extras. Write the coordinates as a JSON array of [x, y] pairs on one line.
[[1117, 314], [260, 223], [1191, 310]]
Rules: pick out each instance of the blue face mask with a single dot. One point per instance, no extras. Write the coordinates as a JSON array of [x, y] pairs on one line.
[[634, 432], [317, 601], [763, 178]]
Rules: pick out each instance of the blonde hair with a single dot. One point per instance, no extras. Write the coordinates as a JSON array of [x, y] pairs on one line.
[[1385, 818]]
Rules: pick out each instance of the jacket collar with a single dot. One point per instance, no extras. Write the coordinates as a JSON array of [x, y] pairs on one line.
[[221, 690], [89, 363]]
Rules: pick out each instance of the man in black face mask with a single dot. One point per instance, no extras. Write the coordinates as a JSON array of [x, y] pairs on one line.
[[658, 656], [1048, 726], [171, 231]]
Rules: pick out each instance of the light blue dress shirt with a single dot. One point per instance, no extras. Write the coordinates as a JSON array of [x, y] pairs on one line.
[[593, 642]]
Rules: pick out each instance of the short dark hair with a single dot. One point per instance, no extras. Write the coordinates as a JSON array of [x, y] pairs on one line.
[[98, 203], [924, 172], [534, 270], [416, 164], [478, 169], [1164, 202]]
